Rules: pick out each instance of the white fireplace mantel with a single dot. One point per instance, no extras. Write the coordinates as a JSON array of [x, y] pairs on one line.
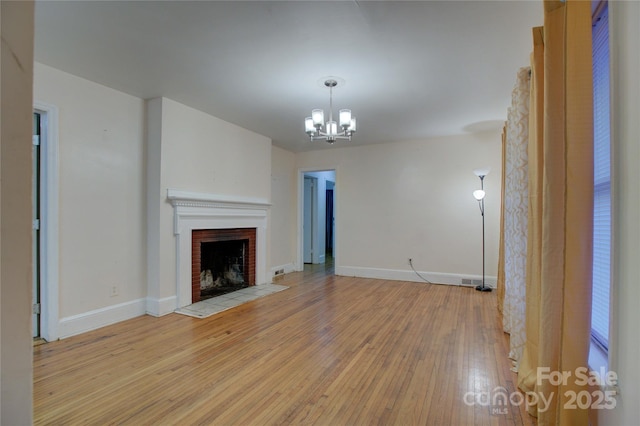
[[186, 198], [193, 210]]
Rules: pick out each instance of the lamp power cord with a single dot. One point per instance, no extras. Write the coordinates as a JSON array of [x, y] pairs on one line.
[[418, 273]]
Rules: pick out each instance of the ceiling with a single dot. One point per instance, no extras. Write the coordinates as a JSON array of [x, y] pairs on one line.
[[411, 70]]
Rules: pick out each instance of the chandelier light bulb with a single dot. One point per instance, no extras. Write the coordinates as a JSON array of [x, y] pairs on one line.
[[345, 118], [318, 117], [309, 128], [332, 128]]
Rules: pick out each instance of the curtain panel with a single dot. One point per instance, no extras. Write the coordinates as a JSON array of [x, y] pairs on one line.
[[560, 223], [515, 215], [500, 278], [528, 364]]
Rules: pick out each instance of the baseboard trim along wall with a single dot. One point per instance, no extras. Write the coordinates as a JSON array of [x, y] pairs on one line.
[[282, 269], [404, 275], [160, 307], [92, 320]]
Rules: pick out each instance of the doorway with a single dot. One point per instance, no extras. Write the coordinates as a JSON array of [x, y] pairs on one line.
[[45, 221], [316, 217]]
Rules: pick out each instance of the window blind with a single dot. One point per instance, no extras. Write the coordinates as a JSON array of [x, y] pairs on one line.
[[602, 182]]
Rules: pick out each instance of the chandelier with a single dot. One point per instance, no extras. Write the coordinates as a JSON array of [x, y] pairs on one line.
[[313, 125]]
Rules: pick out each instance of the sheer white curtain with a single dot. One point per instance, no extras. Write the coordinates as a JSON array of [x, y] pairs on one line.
[[515, 207]]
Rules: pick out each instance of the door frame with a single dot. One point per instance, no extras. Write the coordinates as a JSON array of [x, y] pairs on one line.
[[35, 235], [49, 221], [299, 264]]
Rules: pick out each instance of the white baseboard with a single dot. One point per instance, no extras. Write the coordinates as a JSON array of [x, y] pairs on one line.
[[409, 275], [92, 320], [288, 267], [160, 307]]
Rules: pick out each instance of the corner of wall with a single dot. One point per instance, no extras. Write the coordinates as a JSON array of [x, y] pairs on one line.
[[159, 307], [16, 117]]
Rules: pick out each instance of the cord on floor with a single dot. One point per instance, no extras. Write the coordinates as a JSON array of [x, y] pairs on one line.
[[417, 273]]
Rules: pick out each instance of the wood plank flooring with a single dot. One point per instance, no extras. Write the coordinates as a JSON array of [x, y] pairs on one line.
[[327, 351]]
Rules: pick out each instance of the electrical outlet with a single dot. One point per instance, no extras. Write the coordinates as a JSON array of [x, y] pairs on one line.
[[114, 290]]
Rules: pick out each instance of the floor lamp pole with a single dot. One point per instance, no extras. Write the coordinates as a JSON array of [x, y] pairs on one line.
[[482, 287]]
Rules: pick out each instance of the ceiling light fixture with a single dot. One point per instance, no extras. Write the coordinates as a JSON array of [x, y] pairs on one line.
[[313, 125]]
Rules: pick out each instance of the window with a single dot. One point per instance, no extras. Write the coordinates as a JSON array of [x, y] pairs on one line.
[[602, 181]]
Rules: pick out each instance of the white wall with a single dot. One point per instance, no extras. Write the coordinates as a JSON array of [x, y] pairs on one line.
[[114, 218], [101, 198], [283, 210], [624, 341], [197, 153], [205, 154], [16, 85], [414, 200]]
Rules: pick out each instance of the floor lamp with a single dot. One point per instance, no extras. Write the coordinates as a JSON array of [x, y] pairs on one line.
[[479, 194]]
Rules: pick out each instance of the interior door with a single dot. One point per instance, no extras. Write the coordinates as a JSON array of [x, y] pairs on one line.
[[329, 222]]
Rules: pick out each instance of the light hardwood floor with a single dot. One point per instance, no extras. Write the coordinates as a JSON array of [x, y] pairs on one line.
[[327, 351]]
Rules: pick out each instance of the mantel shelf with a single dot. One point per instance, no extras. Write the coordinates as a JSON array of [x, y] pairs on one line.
[[200, 199]]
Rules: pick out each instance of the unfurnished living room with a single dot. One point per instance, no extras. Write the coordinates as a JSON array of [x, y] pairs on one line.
[[319, 212]]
